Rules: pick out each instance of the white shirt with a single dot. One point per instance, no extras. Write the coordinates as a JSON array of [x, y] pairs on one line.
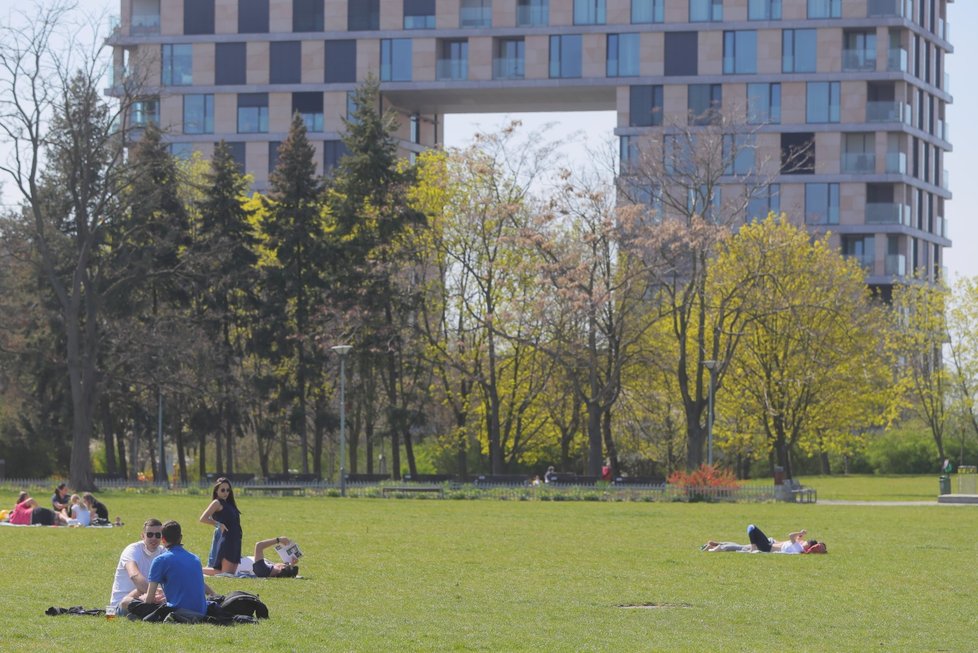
[[793, 547], [247, 565], [122, 585]]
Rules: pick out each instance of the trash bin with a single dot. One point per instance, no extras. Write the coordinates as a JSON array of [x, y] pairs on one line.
[[778, 475], [945, 484]]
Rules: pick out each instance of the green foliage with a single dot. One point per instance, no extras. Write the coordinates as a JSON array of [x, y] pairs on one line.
[[903, 451]]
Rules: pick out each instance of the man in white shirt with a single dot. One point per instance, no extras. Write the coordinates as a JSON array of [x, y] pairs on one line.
[[133, 568]]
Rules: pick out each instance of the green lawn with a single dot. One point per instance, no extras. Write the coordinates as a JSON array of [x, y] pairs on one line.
[[410, 575], [867, 487]]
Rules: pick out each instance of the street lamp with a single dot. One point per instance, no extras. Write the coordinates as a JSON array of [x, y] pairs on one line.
[[712, 366], [342, 350]]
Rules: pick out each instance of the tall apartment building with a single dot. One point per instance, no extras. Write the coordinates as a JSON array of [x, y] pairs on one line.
[[860, 83]]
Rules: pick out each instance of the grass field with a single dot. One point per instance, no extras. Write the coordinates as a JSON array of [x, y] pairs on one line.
[[407, 575]]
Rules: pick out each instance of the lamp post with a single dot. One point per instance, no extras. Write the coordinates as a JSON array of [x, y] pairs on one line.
[[342, 350], [712, 366]]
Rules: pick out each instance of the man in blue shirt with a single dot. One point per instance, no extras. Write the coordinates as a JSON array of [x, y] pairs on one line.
[[179, 572]]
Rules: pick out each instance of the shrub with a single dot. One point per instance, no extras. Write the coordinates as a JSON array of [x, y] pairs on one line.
[[705, 476]]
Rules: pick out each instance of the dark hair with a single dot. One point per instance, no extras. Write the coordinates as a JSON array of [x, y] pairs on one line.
[[152, 521], [61, 486], [22, 497], [289, 572], [172, 533], [218, 483], [811, 542]]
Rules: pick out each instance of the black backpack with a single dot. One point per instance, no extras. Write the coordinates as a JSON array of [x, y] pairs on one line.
[[243, 603]]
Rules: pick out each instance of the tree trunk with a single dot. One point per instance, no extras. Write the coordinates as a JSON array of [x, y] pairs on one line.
[[228, 439], [181, 454], [108, 433], [123, 466], [609, 443], [202, 456]]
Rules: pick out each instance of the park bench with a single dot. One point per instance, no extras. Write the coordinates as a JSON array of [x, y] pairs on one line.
[[429, 478], [365, 479], [639, 480], [412, 489], [509, 480], [804, 495], [274, 488], [563, 478]]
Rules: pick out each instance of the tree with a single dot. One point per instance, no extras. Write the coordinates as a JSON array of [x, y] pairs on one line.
[[808, 372], [962, 325]]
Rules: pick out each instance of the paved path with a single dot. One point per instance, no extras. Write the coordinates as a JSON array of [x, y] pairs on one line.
[[951, 500]]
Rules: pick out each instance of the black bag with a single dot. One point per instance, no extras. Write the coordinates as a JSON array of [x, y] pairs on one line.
[[243, 603]]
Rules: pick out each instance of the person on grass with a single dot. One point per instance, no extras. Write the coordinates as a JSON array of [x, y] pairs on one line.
[[96, 507], [27, 512], [132, 572], [60, 500], [260, 567], [795, 543], [79, 513], [177, 571], [222, 512]]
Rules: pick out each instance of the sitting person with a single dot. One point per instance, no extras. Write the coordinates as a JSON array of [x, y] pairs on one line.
[[178, 572], [133, 569], [258, 566], [28, 513], [795, 543], [79, 515], [96, 507], [59, 500]]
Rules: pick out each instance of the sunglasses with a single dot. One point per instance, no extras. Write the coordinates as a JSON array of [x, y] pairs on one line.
[[156, 535]]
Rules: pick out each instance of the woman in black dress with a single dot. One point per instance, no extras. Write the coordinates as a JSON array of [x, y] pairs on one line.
[[224, 514]]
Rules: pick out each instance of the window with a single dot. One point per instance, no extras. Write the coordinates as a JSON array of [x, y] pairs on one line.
[[798, 153], [681, 54], [238, 154], [285, 62], [309, 105], [861, 248], [395, 60], [623, 55], [252, 113], [351, 108], [475, 13], [764, 103], [680, 155], [648, 11], [764, 200], [704, 201], [824, 8], [705, 10], [798, 50], [146, 112], [739, 154], [823, 102], [307, 16], [182, 151], [252, 16], [704, 102], [589, 12], [178, 65], [740, 52], [419, 14], [333, 151], [764, 10], [859, 152], [565, 56], [341, 61], [198, 114], [645, 106], [362, 15], [822, 203], [273, 155], [229, 63], [859, 50], [145, 17], [198, 16], [532, 13], [508, 61], [453, 59], [415, 128]]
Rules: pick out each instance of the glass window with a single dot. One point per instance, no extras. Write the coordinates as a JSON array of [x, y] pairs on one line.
[[704, 102], [704, 201], [648, 11], [705, 10], [475, 13], [645, 106], [798, 153], [419, 14], [309, 105], [508, 62], [238, 152], [198, 16], [453, 59], [307, 16], [146, 112], [273, 155], [285, 62], [764, 103], [333, 151], [341, 61], [145, 17], [198, 114], [351, 108], [565, 56], [532, 13], [182, 151], [739, 154], [822, 203], [229, 63], [824, 8], [252, 113], [823, 102], [623, 55], [861, 248], [681, 54], [763, 200], [589, 12], [740, 52], [799, 51], [764, 10], [178, 65], [252, 16], [362, 15], [859, 50], [395, 60]]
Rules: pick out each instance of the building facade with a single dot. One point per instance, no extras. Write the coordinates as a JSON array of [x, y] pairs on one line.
[[860, 84]]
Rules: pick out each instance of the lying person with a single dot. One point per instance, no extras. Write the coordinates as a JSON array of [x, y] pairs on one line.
[[260, 567], [27, 512], [795, 543]]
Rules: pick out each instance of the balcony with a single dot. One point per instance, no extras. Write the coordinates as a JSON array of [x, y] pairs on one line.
[[885, 213], [940, 227], [896, 265], [475, 17], [452, 70], [945, 180], [888, 111], [896, 163], [943, 131], [897, 61], [145, 24], [860, 163], [861, 60], [507, 68], [886, 8], [866, 261], [532, 16], [946, 86]]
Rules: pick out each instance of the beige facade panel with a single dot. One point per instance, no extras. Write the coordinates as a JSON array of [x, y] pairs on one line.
[[768, 51], [828, 151], [171, 113], [171, 18], [392, 16], [594, 52], [829, 45], [503, 14], [537, 58], [258, 62], [313, 62], [735, 10], [280, 16], [561, 14], [618, 12], [480, 58], [226, 16], [203, 64], [226, 113], [852, 103], [334, 110], [279, 111], [793, 103], [651, 61], [424, 59], [711, 53], [368, 58], [335, 16]]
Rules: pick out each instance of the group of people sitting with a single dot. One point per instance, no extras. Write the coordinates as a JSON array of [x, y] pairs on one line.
[[65, 510], [761, 543]]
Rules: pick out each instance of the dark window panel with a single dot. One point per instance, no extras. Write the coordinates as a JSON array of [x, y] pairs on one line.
[[681, 54], [230, 64], [307, 16], [363, 15], [341, 61], [252, 16], [198, 16], [285, 62]]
